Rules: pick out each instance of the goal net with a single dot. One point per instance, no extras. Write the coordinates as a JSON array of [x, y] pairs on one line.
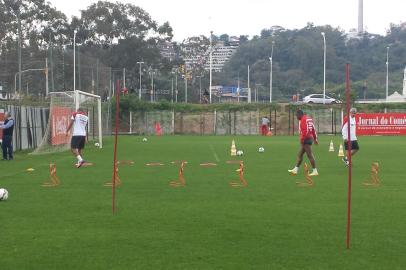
[[62, 106]]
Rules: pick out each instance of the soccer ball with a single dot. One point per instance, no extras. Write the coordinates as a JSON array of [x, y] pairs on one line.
[[240, 153], [97, 144], [261, 149], [145, 139], [3, 194]]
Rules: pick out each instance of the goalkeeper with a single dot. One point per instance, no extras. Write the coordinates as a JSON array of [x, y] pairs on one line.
[[78, 121]]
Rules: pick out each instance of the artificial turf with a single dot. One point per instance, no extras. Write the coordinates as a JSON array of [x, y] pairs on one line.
[[271, 224]]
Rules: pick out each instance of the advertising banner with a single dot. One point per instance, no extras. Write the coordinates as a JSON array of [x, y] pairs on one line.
[[381, 123], [60, 122]]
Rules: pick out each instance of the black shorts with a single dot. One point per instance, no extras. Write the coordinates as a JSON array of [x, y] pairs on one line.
[[78, 142], [308, 141], [354, 145]]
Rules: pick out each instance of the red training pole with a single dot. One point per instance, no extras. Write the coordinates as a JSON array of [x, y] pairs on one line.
[[115, 146], [347, 90]]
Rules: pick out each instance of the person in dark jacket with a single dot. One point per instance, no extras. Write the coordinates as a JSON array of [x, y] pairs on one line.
[[7, 143]]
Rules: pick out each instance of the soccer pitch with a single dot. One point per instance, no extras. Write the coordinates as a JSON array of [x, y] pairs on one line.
[[270, 224]]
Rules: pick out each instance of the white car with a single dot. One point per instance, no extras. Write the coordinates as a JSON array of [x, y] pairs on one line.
[[318, 99]]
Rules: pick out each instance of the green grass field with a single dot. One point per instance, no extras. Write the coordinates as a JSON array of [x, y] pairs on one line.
[[271, 224]]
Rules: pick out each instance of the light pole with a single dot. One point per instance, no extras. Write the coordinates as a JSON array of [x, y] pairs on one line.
[[176, 85], [270, 75], [324, 72], [152, 85], [23, 71], [172, 87], [200, 88], [74, 60], [139, 94], [387, 72], [211, 64], [248, 85]]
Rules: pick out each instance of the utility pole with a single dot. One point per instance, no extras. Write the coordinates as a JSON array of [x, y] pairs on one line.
[[46, 77], [211, 63], [19, 49], [139, 94], [74, 60], [249, 88], [185, 87]]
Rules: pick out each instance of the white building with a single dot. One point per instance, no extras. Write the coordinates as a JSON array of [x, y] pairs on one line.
[[396, 97], [221, 54]]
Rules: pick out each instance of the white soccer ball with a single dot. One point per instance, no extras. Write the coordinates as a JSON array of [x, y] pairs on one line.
[[3, 194], [97, 144], [145, 139], [261, 149], [240, 153]]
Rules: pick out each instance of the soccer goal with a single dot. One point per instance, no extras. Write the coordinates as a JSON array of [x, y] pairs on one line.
[[62, 105]]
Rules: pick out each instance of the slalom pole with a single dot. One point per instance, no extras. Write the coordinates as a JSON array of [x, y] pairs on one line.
[[347, 89], [113, 186]]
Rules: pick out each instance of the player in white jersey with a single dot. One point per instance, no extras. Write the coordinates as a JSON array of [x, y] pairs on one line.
[[353, 134], [79, 121]]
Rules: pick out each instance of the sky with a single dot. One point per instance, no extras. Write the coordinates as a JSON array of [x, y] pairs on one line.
[[240, 17]]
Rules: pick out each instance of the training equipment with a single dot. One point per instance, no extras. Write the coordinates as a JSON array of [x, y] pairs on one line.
[[53, 180], [181, 182], [97, 144], [374, 178], [261, 149], [309, 180], [233, 149], [240, 153], [331, 148], [115, 179], [3, 194], [62, 106], [243, 182], [341, 151], [145, 139]]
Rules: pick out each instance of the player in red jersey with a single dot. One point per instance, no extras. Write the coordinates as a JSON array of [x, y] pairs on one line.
[[308, 135]]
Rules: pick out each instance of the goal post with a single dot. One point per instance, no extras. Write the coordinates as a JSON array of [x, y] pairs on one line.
[[62, 106]]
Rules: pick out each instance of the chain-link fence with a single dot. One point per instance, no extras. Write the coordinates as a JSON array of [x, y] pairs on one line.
[[53, 71]]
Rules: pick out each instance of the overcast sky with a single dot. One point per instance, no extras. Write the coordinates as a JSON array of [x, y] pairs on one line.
[[239, 17]]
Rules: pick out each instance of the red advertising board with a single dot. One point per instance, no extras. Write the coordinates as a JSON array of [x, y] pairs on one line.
[[1, 122], [381, 123], [60, 121]]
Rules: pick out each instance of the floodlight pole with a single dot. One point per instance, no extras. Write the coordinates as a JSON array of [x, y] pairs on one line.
[[74, 60], [324, 69], [139, 94], [387, 72], [248, 85], [270, 75], [211, 63]]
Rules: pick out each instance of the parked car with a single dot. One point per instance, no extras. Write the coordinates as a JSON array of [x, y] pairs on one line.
[[318, 99]]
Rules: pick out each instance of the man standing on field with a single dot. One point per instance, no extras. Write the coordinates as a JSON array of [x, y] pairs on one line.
[[353, 134], [265, 126], [79, 121], [307, 137]]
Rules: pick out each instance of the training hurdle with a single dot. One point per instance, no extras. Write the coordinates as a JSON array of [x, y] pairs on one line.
[[242, 183], [115, 180], [53, 180], [181, 182], [309, 181], [374, 178]]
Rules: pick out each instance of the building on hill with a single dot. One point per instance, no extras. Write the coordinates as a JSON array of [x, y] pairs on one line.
[[222, 52], [167, 50]]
